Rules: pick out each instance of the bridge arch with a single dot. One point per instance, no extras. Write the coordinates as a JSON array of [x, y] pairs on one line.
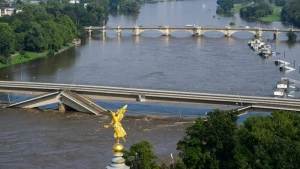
[[205, 31], [158, 30], [235, 31], [184, 30]]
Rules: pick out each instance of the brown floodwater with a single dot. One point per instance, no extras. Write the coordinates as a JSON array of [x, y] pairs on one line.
[[50, 139]]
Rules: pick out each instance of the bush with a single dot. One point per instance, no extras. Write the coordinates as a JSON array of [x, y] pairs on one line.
[[51, 53], [3, 60]]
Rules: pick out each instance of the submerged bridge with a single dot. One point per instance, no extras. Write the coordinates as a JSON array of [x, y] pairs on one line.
[[75, 96], [65, 99], [195, 30]]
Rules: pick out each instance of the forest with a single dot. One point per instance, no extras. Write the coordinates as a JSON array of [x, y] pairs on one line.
[[52, 25]]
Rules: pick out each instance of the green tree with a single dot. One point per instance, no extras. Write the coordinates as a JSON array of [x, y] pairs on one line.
[[292, 36], [205, 145], [269, 142], [68, 29], [144, 152], [55, 41], [291, 12], [19, 42], [7, 40], [35, 39], [178, 164]]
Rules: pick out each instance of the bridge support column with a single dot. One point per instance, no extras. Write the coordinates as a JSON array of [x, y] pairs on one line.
[[61, 107], [119, 32], [197, 31], [103, 33], [259, 33], [90, 33], [141, 98], [228, 33], [136, 31], [276, 34], [167, 32]]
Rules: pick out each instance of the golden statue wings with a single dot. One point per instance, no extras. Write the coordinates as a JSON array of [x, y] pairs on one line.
[[119, 131]]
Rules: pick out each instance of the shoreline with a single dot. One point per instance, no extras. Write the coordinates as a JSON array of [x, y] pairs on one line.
[[16, 58]]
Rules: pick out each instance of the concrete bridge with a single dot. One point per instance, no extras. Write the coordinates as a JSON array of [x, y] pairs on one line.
[[66, 100], [195, 30], [147, 95]]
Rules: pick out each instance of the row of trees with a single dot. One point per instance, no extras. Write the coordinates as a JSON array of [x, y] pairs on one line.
[[225, 6], [35, 30], [291, 12], [48, 26], [131, 6], [218, 142]]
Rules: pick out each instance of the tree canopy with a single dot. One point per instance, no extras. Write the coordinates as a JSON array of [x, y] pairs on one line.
[[261, 142], [291, 12], [143, 151]]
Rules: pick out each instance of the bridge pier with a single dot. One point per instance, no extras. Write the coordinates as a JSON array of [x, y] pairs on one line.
[[197, 31], [259, 33], [229, 33], [90, 33], [141, 98], [167, 31], [276, 34], [62, 107], [118, 31], [103, 33], [136, 31]]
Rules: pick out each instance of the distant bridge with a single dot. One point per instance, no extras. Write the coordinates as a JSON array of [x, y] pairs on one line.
[[195, 30], [144, 95]]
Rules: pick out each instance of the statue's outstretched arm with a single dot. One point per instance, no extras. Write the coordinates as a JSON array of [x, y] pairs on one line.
[[106, 126]]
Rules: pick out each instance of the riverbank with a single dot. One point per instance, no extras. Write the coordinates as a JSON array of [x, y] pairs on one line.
[[18, 58]]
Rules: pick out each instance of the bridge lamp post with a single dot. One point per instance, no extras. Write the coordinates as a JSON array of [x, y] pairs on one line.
[[138, 85], [228, 91], [168, 87]]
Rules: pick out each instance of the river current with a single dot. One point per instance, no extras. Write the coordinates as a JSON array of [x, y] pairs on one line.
[[211, 63]]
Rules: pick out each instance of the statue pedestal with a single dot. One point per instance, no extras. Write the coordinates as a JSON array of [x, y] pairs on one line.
[[118, 162]]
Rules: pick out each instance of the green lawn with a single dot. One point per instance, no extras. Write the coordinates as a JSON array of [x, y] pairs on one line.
[[275, 16], [16, 59]]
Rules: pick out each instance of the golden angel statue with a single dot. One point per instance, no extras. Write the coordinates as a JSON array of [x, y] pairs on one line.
[[116, 121]]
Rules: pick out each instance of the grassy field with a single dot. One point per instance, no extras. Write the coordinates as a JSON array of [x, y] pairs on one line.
[[275, 16], [16, 59]]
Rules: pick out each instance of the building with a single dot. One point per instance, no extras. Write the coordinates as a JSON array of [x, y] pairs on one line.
[[74, 1], [9, 11]]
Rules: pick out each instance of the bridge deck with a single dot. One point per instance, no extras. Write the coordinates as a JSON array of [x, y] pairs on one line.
[[83, 102], [132, 94]]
